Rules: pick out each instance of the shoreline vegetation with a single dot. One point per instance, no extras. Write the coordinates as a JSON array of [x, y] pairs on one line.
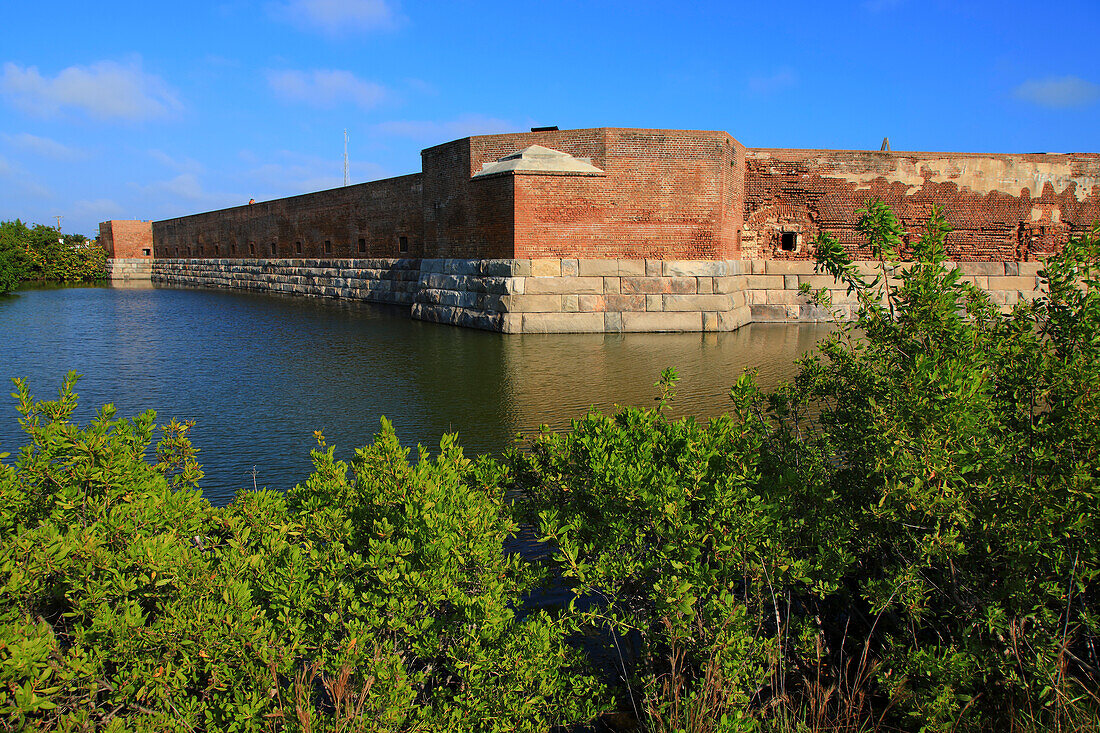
[[40, 253], [902, 538]]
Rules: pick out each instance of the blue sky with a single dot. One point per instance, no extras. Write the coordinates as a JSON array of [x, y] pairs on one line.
[[144, 110]]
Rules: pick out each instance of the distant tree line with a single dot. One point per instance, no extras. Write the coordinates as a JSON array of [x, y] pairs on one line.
[[39, 252]]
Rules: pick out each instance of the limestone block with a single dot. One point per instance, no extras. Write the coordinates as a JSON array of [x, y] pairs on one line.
[[511, 323], [789, 267], [521, 268], [764, 282], [694, 268], [681, 285], [757, 267], [570, 303], [817, 281], [737, 267], [497, 268], [563, 322], [611, 285], [710, 321], [570, 268], [633, 268], [650, 322], [769, 313], [527, 303], [1028, 269], [1012, 269], [570, 284], [696, 302], [738, 299], [654, 303], [790, 282], [704, 285], [612, 322], [729, 284], [784, 297], [546, 268], [734, 319], [814, 313], [599, 267], [613, 302], [982, 268], [653, 268], [1013, 283]]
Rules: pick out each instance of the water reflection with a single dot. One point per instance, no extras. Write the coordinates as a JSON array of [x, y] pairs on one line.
[[258, 373]]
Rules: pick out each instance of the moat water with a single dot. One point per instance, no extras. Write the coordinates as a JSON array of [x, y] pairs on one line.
[[258, 373]]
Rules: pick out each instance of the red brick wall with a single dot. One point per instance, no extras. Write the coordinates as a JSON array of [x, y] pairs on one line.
[[666, 193], [379, 213], [1002, 207], [127, 238], [464, 218]]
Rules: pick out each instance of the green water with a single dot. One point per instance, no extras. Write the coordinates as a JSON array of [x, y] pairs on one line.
[[259, 373]]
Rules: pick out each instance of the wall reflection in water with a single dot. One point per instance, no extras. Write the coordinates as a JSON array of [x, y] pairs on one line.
[[259, 373]]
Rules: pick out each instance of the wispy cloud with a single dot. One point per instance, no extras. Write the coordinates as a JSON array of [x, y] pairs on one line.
[[104, 90], [1058, 92], [325, 88], [339, 17], [181, 165], [43, 146], [768, 83], [440, 130], [96, 209], [287, 173]]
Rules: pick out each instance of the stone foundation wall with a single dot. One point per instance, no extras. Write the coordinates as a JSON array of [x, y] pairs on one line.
[[572, 295], [129, 268]]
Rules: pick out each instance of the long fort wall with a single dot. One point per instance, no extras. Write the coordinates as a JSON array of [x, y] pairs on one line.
[[613, 229]]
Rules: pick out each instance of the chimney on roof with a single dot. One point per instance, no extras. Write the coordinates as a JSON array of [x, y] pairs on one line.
[[885, 145]]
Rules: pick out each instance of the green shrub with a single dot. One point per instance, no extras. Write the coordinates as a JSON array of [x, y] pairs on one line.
[[41, 253], [903, 537], [378, 600]]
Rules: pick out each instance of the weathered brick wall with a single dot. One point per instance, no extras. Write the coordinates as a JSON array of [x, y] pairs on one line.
[[1001, 207], [365, 220], [464, 218], [127, 238], [666, 193]]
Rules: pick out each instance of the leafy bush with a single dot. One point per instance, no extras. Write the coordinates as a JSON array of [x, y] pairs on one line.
[[40, 253], [380, 599], [903, 537]]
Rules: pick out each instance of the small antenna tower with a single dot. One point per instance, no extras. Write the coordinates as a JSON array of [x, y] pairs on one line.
[[345, 156]]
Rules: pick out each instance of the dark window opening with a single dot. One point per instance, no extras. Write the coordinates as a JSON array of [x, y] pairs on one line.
[[217, 249], [789, 241], [298, 247], [200, 249], [328, 247], [251, 248], [188, 251], [146, 251], [403, 244], [272, 248], [362, 245]]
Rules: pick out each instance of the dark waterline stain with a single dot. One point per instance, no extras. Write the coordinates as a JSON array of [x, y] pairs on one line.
[[258, 373]]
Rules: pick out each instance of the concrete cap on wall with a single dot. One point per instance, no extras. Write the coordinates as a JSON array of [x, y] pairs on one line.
[[537, 159]]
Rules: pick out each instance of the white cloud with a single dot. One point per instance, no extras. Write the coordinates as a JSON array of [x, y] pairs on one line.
[[1058, 92], [443, 130], [340, 17], [181, 165], [325, 88], [780, 78], [287, 173], [43, 146], [104, 90], [97, 209]]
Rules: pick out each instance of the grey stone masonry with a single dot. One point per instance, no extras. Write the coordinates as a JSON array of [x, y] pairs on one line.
[[125, 269], [570, 295]]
